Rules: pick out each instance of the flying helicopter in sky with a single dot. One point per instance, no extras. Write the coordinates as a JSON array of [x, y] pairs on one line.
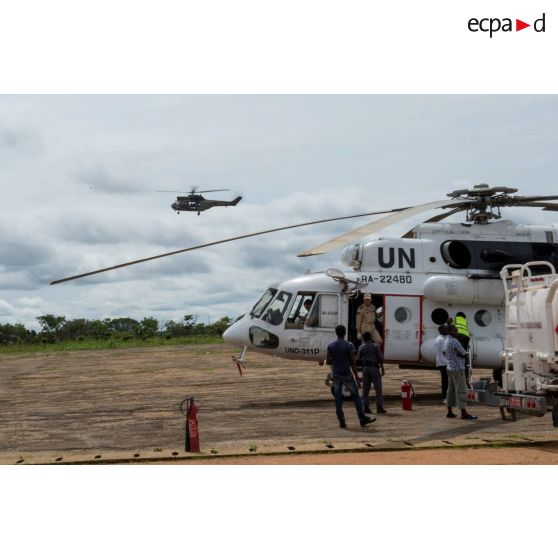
[[194, 201], [417, 281]]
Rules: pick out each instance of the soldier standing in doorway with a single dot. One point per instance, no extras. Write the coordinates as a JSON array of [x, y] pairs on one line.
[[366, 320]]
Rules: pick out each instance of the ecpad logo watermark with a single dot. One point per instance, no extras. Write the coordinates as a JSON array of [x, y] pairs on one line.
[[493, 25]]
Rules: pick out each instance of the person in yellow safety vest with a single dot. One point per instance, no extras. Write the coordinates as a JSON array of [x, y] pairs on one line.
[[366, 320], [463, 336]]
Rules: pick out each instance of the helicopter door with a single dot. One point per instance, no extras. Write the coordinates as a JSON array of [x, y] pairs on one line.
[[328, 311], [402, 327]]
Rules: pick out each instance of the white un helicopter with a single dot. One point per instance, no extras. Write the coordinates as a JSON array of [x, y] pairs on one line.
[[417, 281]]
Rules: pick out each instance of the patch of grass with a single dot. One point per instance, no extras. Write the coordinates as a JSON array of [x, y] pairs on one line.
[[93, 344]]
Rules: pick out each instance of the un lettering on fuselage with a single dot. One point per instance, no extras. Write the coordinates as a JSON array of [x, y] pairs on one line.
[[405, 258]]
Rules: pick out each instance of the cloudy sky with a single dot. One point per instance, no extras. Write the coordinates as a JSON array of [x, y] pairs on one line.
[[79, 176]]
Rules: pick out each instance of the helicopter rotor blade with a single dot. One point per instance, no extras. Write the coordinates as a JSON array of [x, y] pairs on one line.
[[434, 219], [529, 199], [545, 206], [205, 191], [134, 262], [192, 191], [370, 228], [394, 216]]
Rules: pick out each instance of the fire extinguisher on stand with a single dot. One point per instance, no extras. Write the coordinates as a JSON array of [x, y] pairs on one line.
[[407, 394], [192, 431]]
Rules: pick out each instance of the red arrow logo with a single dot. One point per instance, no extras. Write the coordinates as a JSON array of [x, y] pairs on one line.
[[519, 25]]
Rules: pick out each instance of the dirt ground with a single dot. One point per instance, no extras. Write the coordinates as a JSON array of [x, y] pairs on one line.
[[547, 455], [123, 406]]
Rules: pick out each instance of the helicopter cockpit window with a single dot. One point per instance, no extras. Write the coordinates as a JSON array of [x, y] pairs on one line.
[[263, 339], [276, 310], [324, 312], [300, 311], [261, 305]]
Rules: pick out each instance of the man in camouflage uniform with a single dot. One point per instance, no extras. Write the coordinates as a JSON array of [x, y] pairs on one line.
[[366, 320]]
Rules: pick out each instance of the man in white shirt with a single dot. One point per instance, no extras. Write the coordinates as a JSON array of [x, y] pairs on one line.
[[441, 360]]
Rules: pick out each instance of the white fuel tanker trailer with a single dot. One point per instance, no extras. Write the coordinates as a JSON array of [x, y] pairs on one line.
[[530, 378]]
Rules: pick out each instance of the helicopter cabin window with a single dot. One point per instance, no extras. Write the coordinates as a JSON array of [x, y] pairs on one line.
[[440, 316], [261, 305], [483, 318], [324, 312], [300, 311], [276, 310], [402, 314]]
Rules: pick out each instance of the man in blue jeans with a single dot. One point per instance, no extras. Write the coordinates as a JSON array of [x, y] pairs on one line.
[[372, 362], [341, 356]]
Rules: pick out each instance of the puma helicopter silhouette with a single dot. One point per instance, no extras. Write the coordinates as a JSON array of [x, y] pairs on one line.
[[194, 201]]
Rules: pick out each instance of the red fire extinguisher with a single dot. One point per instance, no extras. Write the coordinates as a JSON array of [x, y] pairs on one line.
[[407, 393], [192, 430]]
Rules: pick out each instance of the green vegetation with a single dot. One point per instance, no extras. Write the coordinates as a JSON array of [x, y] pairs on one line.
[[59, 334]]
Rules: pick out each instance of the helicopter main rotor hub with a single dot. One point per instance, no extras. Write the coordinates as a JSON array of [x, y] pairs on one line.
[[484, 202]]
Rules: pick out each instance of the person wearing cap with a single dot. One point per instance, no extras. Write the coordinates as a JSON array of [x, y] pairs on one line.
[[366, 320], [372, 371]]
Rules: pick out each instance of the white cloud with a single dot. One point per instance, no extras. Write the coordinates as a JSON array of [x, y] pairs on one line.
[[6, 309]]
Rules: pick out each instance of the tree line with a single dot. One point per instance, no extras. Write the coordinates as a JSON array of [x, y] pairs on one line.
[[56, 329]]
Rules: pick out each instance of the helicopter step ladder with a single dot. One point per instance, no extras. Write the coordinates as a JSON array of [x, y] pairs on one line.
[[530, 375]]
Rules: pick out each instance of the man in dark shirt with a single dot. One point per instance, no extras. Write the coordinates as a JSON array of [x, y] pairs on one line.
[[372, 361], [341, 355]]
